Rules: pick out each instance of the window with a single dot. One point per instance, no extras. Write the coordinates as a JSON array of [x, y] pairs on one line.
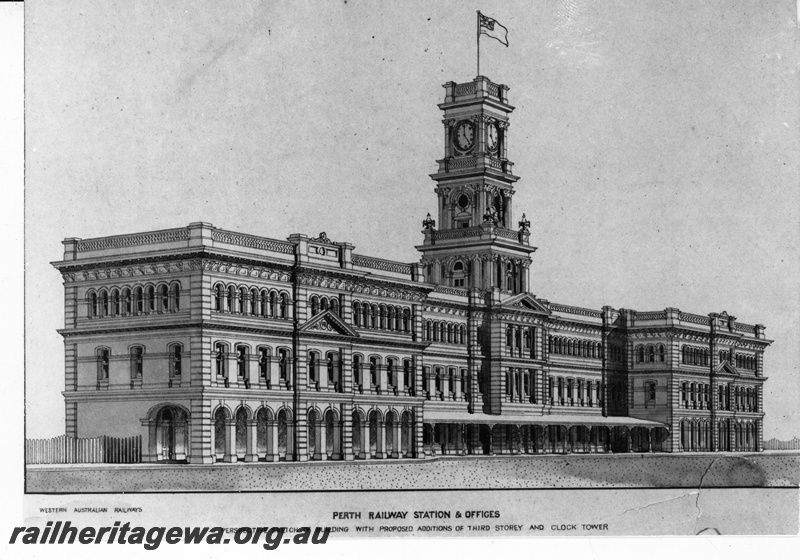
[[406, 320], [103, 361], [218, 299], [263, 362], [175, 360], [176, 297], [115, 303], [138, 299], [219, 359], [241, 362], [137, 362], [650, 394], [313, 367], [283, 363], [242, 301], [357, 314], [264, 303], [357, 370], [254, 300], [662, 353], [126, 301], [451, 380], [651, 354], [314, 305], [284, 306], [151, 300], [390, 372], [332, 363], [374, 364], [103, 303], [164, 296], [438, 379], [231, 299], [464, 382], [459, 275], [273, 304], [92, 303], [640, 354]]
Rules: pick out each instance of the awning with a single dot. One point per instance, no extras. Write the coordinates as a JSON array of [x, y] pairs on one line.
[[451, 416]]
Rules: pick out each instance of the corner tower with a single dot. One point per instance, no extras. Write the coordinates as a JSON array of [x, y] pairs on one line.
[[477, 244]]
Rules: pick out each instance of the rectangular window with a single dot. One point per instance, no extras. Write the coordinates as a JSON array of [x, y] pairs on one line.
[[651, 393], [137, 362], [407, 373], [263, 363], [103, 359], [176, 359]]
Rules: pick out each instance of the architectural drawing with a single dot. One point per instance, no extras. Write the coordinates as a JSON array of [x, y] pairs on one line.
[[222, 346]]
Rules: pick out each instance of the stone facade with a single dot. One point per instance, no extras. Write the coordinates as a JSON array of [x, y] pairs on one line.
[[223, 346]]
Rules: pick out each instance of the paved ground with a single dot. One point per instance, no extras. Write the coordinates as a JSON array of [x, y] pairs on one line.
[[548, 471]]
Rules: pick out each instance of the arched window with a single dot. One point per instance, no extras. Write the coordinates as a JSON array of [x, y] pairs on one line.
[[103, 303], [127, 304], [382, 311], [451, 380], [242, 301], [366, 316], [357, 313], [442, 331], [91, 303], [254, 299], [284, 306], [231, 299], [138, 300], [115, 307], [241, 362], [406, 320], [103, 363], [151, 300], [436, 331], [264, 303], [651, 354], [137, 362], [273, 304], [459, 275], [449, 332], [218, 298], [164, 297], [323, 304], [438, 374], [335, 305], [176, 297], [219, 359], [175, 360], [462, 338], [662, 353], [509, 277], [314, 305], [398, 319]]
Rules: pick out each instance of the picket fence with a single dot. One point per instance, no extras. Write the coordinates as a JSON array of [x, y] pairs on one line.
[[66, 449], [779, 445]]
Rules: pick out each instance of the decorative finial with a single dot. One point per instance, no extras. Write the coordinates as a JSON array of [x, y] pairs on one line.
[[428, 222], [524, 224]]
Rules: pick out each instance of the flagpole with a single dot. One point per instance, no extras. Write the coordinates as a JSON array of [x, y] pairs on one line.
[[479, 43]]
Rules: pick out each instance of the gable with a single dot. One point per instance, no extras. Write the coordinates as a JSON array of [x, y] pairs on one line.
[[328, 322], [726, 367], [526, 302]]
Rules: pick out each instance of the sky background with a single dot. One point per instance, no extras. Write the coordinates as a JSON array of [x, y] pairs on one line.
[[657, 144]]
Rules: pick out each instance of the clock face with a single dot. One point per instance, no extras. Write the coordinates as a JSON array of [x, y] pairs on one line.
[[491, 137], [464, 136]]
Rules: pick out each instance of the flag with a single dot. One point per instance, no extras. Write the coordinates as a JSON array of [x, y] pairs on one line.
[[493, 29]]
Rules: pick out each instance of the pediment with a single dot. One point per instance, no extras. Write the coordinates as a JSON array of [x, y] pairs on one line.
[[328, 322], [526, 302], [726, 368]]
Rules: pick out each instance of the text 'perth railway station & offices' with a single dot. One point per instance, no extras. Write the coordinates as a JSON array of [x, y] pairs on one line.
[[217, 346]]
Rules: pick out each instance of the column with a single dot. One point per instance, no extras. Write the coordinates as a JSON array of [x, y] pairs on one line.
[[230, 442], [321, 451], [365, 452], [347, 433], [417, 450], [380, 447], [252, 442], [272, 441]]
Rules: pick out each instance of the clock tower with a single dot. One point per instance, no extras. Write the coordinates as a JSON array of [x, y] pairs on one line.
[[477, 243]]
